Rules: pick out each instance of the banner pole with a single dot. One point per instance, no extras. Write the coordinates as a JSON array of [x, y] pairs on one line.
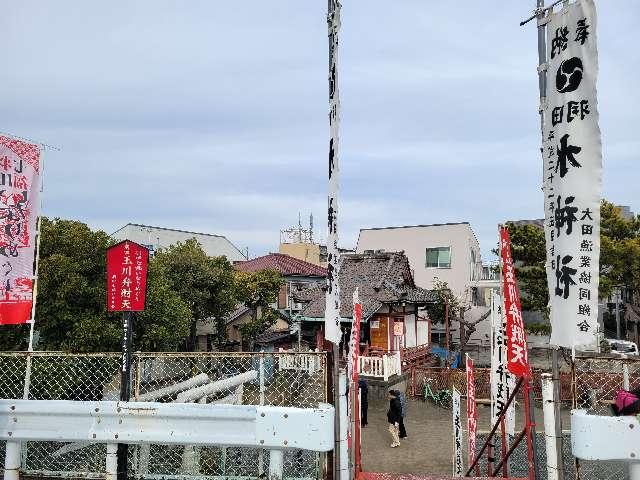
[[336, 406], [125, 384], [542, 87]]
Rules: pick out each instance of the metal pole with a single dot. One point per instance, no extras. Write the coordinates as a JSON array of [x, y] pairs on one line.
[[125, 384], [618, 326], [542, 87], [548, 412], [336, 405], [532, 448]]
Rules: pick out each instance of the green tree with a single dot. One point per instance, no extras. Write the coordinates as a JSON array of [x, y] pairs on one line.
[[205, 284], [71, 310], [446, 300], [529, 256], [164, 324], [258, 290], [619, 258], [449, 306]]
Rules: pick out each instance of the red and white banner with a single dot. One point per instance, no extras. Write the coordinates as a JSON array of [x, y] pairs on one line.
[[352, 370], [127, 264], [517, 353], [472, 412], [354, 344], [19, 205]]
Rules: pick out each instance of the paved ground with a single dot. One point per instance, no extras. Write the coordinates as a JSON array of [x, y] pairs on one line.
[[428, 450]]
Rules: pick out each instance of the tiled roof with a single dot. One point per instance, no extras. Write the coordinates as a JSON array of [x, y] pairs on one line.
[[284, 264], [381, 278]]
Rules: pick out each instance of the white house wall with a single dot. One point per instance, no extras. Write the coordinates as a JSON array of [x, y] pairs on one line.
[[415, 240], [410, 331]]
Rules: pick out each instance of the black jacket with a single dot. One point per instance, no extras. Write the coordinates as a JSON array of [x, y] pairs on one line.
[[394, 415]]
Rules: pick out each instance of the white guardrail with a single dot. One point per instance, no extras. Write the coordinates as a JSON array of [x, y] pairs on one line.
[[383, 367], [273, 428]]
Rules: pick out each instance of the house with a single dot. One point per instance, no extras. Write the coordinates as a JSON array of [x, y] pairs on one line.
[[448, 252], [155, 238], [205, 332], [390, 302], [296, 274]]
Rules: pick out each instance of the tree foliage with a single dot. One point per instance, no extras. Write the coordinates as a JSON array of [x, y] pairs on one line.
[[529, 256], [446, 300], [206, 284], [71, 310], [619, 258], [258, 290]]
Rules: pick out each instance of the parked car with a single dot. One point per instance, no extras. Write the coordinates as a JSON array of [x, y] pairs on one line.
[[622, 347]]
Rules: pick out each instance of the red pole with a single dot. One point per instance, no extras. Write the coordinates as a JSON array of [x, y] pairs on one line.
[[503, 449], [529, 427]]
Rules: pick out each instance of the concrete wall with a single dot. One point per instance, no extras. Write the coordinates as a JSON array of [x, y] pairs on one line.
[[155, 238], [415, 240], [307, 252]]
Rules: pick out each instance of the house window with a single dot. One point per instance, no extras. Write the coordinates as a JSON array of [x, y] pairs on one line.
[[439, 257]]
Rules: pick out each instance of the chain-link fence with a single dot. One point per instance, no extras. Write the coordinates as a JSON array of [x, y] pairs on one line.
[[596, 382], [445, 379], [519, 462], [277, 379]]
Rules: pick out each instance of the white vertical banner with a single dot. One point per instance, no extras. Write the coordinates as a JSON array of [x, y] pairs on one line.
[[572, 153], [472, 411], [458, 462], [332, 306], [502, 381]]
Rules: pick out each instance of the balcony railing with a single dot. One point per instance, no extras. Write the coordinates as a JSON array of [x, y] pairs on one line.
[[383, 367]]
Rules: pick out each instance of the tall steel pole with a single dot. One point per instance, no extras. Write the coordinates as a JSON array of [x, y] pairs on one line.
[[542, 87], [333, 12]]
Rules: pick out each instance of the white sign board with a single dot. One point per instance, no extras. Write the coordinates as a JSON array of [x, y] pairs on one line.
[[572, 154]]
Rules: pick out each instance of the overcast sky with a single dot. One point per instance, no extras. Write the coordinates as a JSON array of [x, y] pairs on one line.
[[211, 116]]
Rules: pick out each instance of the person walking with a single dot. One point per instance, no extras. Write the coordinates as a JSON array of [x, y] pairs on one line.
[[394, 417], [403, 406], [364, 401]]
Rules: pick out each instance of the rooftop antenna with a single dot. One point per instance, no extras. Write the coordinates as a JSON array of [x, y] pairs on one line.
[[311, 228]]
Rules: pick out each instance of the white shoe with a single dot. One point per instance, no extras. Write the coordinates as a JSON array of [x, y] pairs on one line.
[[394, 445]]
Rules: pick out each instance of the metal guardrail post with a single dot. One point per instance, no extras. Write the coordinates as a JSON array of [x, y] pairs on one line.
[[111, 466], [276, 461], [12, 461], [548, 409]]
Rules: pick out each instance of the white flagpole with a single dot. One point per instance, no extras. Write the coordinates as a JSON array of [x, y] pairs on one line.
[[34, 290]]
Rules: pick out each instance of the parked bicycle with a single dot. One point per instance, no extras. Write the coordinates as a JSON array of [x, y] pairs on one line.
[[442, 398]]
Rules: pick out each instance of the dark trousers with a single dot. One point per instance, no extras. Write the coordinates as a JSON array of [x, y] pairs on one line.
[[403, 432], [363, 414]]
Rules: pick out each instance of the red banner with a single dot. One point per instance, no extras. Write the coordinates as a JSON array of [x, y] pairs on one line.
[[517, 353], [472, 412], [19, 205], [127, 264], [354, 345]]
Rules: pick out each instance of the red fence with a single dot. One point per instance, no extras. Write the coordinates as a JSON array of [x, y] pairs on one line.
[[442, 378]]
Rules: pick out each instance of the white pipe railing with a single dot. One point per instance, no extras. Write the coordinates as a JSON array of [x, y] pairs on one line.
[[143, 423]]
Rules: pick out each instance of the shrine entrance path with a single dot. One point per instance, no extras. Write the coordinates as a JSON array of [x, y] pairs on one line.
[[429, 448]]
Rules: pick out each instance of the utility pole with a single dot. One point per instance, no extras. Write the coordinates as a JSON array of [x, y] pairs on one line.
[[618, 325]]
